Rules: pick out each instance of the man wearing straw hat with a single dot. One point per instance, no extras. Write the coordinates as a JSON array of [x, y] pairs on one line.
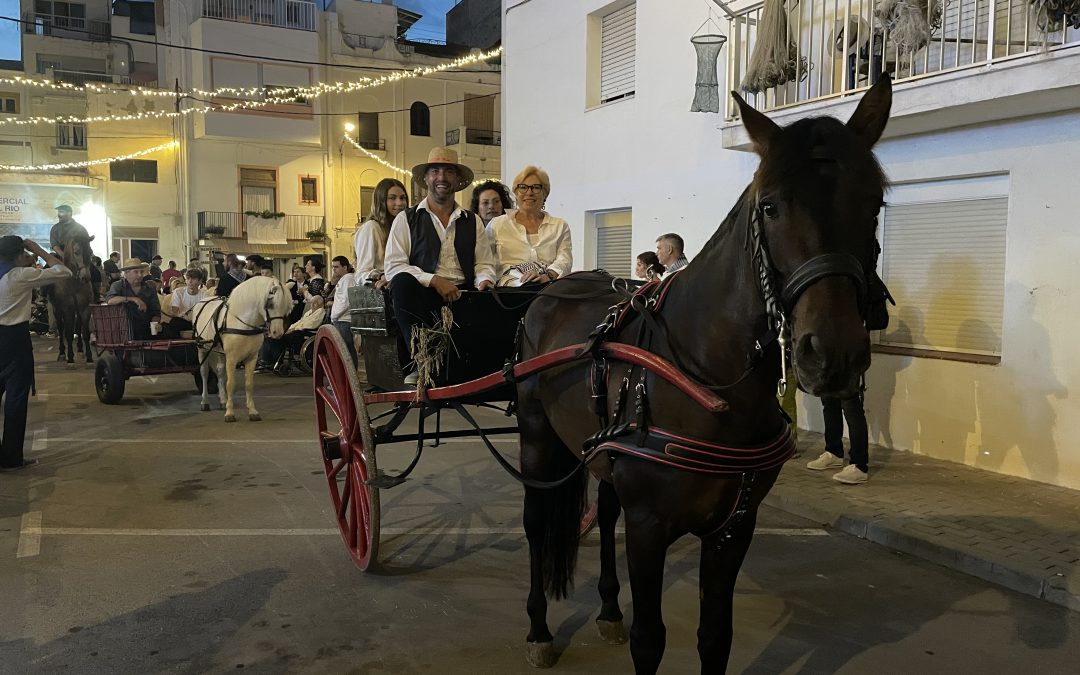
[[141, 298], [18, 278], [436, 249]]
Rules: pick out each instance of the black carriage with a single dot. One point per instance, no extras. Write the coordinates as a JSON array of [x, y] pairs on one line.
[[121, 357]]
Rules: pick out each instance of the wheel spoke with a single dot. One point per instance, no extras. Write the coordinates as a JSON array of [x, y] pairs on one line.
[[337, 468]]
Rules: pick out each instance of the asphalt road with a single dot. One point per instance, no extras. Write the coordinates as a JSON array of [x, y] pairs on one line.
[[157, 539]]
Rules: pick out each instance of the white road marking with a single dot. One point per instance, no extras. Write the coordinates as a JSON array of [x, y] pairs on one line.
[[189, 441], [32, 530], [46, 395], [40, 440], [29, 535]]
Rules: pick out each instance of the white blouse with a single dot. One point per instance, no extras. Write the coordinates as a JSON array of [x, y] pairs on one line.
[[369, 244], [513, 246]]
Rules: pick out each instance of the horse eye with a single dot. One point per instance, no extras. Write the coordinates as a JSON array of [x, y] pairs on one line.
[[769, 210]]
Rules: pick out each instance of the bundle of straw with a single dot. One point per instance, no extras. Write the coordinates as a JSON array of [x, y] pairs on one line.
[[774, 61], [429, 347]]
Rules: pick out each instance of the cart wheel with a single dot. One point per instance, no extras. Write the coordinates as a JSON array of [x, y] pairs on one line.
[[109, 379], [348, 449], [305, 360]]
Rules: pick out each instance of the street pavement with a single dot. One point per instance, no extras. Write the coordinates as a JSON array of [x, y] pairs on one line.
[[157, 539]]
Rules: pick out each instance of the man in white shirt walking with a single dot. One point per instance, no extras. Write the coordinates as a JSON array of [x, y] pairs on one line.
[[18, 278], [437, 249]]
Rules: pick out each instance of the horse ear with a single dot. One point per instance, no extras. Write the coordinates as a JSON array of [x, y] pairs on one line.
[[761, 128], [872, 114]]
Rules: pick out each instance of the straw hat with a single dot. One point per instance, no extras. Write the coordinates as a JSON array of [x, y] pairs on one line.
[[134, 264], [446, 157]]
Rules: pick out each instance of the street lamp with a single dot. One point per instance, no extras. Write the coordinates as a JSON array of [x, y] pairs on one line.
[[349, 127]]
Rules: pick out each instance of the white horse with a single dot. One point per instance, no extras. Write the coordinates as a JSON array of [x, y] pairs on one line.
[[230, 331]]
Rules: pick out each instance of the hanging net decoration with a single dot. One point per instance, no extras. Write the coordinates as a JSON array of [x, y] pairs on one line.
[[775, 59], [706, 89]]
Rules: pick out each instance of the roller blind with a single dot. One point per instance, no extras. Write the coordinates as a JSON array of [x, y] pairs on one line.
[[617, 46], [614, 235], [944, 262]]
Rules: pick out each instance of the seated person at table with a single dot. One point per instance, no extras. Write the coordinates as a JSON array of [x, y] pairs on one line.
[[532, 245], [435, 250], [140, 298], [181, 301]]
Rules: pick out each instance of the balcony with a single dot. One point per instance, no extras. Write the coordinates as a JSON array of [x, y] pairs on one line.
[[74, 27], [955, 66], [81, 77], [230, 225], [294, 14], [474, 136], [372, 143]]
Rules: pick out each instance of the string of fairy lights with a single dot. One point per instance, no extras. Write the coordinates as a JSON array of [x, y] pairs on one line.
[[88, 162], [274, 96], [388, 165]]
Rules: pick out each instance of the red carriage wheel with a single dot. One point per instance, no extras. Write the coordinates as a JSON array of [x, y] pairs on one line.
[[348, 449]]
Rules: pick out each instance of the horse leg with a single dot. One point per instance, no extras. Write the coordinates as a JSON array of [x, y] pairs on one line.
[[86, 323], [219, 368], [230, 384], [249, 386], [610, 621], [647, 542], [540, 651], [58, 317], [204, 371], [720, 563]]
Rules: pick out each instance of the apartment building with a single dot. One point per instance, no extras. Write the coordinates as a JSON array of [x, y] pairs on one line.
[[979, 229]]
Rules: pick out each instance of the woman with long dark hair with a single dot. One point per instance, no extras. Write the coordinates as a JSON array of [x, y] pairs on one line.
[[648, 266], [490, 199], [369, 242]]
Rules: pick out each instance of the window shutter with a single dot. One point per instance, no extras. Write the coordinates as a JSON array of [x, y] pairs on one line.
[[614, 234], [944, 262], [617, 46]]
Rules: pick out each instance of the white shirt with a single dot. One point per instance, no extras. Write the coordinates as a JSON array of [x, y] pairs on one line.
[[512, 246], [369, 244], [181, 302], [341, 296], [399, 247], [16, 287]]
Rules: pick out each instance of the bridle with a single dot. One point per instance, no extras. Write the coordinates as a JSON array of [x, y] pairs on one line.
[[779, 305], [267, 316]]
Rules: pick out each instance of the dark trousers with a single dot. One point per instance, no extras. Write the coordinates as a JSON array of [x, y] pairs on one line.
[[345, 329], [835, 412], [414, 304], [175, 327], [16, 377]]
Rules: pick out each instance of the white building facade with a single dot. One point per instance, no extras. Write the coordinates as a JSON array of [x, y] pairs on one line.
[[983, 150]]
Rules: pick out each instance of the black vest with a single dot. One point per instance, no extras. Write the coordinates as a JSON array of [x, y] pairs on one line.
[[426, 245]]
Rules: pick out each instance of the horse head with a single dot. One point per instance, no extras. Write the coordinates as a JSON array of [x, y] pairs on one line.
[[815, 198], [77, 257], [278, 304]]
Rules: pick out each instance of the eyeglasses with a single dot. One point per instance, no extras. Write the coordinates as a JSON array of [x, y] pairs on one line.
[[522, 187]]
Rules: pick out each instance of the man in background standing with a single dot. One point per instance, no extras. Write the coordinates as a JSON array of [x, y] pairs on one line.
[[168, 275], [155, 268], [233, 277], [112, 267], [669, 249]]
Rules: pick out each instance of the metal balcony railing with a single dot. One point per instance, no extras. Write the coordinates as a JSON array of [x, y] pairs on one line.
[[80, 77], [841, 46], [474, 136], [295, 14], [232, 225], [75, 27], [372, 143]]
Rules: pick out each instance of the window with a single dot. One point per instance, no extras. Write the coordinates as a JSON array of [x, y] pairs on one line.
[[9, 103], [142, 18], [133, 171], [368, 136], [943, 259], [60, 14], [309, 189], [419, 119], [366, 195], [71, 136], [612, 44], [614, 234], [284, 93], [258, 189]]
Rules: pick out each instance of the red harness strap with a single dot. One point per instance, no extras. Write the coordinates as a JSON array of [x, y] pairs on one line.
[[693, 454]]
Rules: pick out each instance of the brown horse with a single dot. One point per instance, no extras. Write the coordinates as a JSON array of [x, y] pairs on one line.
[[71, 298], [789, 260]]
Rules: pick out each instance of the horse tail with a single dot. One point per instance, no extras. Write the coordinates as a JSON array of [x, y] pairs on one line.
[[555, 514], [561, 545]]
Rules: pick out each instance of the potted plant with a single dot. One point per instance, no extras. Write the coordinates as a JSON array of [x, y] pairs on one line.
[[213, 230], [316, 235], [266, 214]]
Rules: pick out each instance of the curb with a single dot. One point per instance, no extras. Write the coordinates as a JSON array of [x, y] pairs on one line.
[[893, 533]]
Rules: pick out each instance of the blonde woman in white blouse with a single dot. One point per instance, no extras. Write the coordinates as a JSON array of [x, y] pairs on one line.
[[531, 245]]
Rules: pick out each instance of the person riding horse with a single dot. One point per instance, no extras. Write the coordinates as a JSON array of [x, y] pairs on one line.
[[66, 229]]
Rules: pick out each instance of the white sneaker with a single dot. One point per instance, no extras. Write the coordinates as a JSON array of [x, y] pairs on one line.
[[851, 475], [827, 460], [412, 378]]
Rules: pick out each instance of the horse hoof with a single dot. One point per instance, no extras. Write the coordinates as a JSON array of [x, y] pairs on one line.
[[255, 417], [230, 418], [541, 654], [612, 632], [71, 365], [205, 407], [60, 357]]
